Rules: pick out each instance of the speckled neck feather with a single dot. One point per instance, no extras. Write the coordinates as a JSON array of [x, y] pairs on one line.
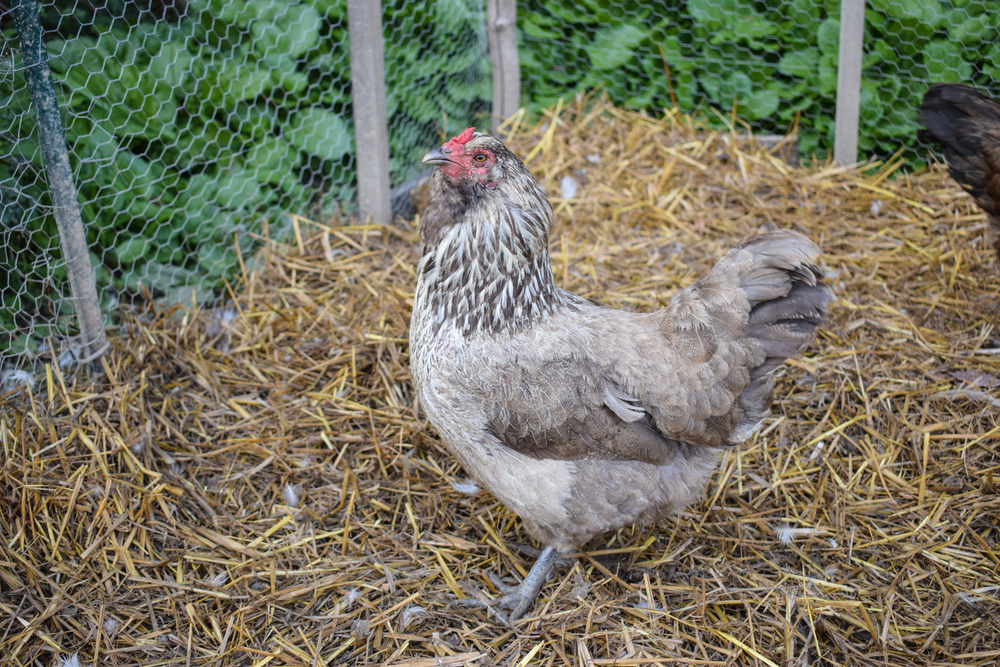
[[485, 265]]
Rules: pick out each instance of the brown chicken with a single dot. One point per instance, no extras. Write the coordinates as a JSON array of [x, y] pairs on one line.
[[580, 418], [966, 124]]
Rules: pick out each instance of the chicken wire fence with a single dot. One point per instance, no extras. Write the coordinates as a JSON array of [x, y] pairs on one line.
[[195, 126], [776, 59]]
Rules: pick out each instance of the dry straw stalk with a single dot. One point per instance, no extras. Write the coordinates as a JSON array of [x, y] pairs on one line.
[[151, 514]]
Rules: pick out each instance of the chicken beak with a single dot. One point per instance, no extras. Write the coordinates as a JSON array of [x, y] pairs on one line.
[[438, 157]]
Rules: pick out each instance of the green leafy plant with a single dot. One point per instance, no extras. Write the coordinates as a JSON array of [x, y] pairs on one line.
[[188, 133], [776, 59]]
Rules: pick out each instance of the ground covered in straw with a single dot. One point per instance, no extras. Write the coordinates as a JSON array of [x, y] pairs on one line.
[[254, 485]]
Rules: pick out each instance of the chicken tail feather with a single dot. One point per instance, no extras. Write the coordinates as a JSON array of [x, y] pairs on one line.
[[788, 299], [768, 293]]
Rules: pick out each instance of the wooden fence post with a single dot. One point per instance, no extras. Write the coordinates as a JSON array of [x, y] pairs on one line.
[[501, 30], [852, 36], [371, 133], [65, 207]]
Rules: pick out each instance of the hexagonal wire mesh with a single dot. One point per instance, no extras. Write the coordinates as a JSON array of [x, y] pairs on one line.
[[776, 58], [910, 44], [193, 126]]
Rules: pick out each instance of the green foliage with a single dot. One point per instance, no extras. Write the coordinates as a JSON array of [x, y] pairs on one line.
[[775, 58], [187, 133]]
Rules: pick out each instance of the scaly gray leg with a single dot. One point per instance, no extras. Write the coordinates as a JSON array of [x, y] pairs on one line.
[[517, 599], [525, 550]]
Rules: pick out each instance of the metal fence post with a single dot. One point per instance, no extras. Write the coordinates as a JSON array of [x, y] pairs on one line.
[[65, 207], [371, 134], [852, 34], [501, 30]]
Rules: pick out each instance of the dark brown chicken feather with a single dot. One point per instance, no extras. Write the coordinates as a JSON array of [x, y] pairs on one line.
[[966, 124]]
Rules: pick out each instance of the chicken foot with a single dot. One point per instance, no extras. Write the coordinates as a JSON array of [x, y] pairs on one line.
[[525, 550], [517, 599]]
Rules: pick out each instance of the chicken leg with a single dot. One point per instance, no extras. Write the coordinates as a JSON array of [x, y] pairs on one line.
[[517, 599]]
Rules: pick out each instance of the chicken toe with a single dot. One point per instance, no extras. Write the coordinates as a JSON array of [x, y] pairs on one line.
[[518, 599]]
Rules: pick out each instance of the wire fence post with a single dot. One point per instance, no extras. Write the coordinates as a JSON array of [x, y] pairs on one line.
[[852, 35], [371, 134], [65, 207], [501, 18]]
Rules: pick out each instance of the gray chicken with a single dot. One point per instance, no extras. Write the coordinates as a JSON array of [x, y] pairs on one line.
[[966, 124], [580, 418]]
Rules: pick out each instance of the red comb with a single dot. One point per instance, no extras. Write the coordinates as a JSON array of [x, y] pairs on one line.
[[463, 138]]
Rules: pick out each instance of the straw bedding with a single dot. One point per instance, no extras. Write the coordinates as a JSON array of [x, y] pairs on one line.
[[254, 485]]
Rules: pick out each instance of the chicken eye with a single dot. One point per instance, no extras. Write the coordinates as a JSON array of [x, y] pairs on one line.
[[479, 157]]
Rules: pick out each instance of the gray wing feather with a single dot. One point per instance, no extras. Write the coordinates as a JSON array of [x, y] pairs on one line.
[[577, 413]]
